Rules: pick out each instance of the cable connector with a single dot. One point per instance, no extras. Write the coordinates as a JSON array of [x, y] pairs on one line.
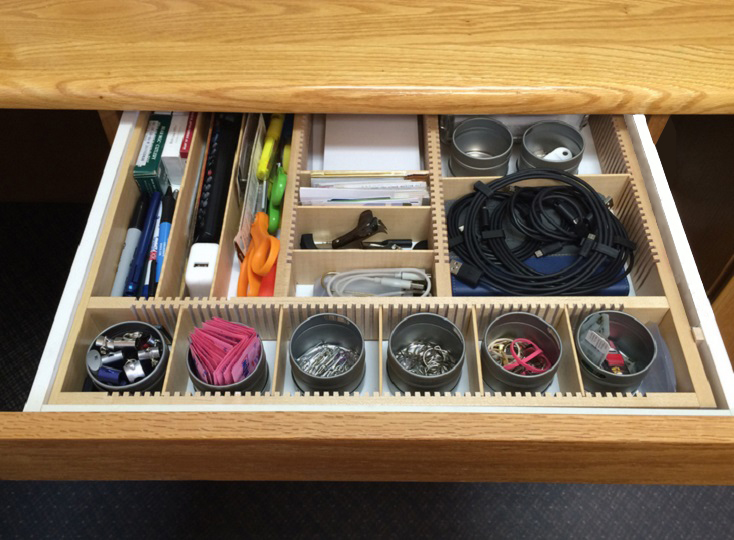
[[456, 241], [587, 244], [606, 250], [549, 249], [484, 218], [465, 272], [493, 234], [566, 213], [624, 243]]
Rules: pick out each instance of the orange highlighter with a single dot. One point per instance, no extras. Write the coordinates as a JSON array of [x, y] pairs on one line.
[[257, 272]]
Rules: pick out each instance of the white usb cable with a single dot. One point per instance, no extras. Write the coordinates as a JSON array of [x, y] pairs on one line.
[[379, 282]]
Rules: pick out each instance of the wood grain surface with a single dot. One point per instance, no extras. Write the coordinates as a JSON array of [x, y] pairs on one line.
[[724, 310], [511, 56], [367, 446]]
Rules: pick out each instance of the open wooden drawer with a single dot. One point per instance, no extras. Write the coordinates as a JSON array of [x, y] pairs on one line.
[[377, 433]]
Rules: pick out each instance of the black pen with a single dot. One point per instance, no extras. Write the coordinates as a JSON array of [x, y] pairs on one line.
[[131, 242], [169, 205]]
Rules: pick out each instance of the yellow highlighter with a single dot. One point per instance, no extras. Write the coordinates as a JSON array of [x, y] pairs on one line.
[[272, 138]]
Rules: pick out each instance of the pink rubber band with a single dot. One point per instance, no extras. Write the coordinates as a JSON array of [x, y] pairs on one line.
[[537, 352]]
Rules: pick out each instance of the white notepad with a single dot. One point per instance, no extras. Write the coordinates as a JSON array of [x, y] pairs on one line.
[[379, 142]]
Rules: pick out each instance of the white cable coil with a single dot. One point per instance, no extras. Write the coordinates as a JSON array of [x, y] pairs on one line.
[[378, 282]]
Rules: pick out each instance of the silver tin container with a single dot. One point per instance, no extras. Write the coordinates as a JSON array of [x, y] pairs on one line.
[[425, 327], [480, 147], [254, 382], [333, 329], [631, 337], [544, 137], [154, 380], [521, 325]]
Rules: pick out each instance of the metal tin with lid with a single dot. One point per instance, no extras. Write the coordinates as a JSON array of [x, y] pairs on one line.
[[254, 382], [432, 328], [327, 328], [552, 144], [516, 325], [152, 381], [630, 337], [480, 146]]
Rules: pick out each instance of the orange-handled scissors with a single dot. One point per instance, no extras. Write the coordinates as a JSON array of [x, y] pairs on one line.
[[261, 256]]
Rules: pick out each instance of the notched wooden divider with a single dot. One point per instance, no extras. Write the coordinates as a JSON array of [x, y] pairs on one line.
[[122, 204], [275, 320], [657, 299], [182, 226], [610, 148]]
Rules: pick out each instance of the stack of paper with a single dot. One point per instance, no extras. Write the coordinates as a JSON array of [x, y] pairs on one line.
[[365, 190], [372, 142]]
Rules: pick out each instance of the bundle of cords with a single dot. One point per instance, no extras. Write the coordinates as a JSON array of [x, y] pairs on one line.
[[378, 282], [547, 220]]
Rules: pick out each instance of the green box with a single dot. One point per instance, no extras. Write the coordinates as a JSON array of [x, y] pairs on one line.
[[149, 172]]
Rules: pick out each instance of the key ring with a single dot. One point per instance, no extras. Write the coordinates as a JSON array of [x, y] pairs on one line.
[[498, 348]]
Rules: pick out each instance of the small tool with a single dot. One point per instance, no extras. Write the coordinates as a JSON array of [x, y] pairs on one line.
[[133, 370], [367, 225], [261, 256], [131, 340], [94, 360], [111, 376], [152, 354], [307, 242]]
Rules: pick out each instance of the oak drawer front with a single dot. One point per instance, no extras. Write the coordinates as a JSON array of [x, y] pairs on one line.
[[667, 289]]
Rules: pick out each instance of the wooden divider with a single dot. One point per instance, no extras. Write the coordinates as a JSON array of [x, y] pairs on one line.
[[119, 212], [179, 240], [230, 223], [299, 143], [226, 254]]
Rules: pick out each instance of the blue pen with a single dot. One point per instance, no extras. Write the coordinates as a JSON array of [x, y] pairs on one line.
[[139, 259], [169, 204]]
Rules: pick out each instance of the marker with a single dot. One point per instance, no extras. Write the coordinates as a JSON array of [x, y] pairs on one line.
[[169, 205], [128, 249], [148, 283], [141, 251], [270, 147]]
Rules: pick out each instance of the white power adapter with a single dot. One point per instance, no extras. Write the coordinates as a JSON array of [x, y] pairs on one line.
[[200, 269]]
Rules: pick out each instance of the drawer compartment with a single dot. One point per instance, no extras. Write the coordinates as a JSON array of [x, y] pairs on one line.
[[655, 297], [121, 208], [624, 190]]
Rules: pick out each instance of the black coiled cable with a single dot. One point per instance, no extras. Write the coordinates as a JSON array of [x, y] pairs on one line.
[[548, 219]]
